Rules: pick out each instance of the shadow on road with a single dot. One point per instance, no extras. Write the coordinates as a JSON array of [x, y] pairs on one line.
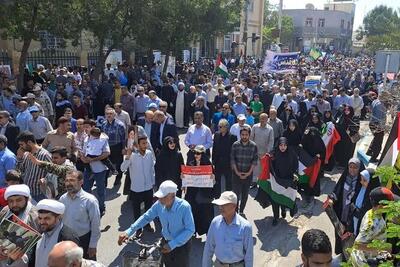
[[125, 219], [282, 237]]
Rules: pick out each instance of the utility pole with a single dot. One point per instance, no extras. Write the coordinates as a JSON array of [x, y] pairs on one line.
[[280, 20]]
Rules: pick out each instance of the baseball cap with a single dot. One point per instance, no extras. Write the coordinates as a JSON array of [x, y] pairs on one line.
[[166, 188], [152, 105], [33, 109], [227, 197], [381, 193], [241, 117]]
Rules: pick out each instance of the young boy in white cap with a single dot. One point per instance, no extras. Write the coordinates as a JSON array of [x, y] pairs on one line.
[[177, 223], [229, 237]]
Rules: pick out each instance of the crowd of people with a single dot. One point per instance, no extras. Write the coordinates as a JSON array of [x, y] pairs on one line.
[[64, 132]]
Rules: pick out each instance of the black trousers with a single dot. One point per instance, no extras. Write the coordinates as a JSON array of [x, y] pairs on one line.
[[84, 244], [117, 159], [275, 209], [177, 257], [241, 188], [219, 172], [376, 143], [137, 198]]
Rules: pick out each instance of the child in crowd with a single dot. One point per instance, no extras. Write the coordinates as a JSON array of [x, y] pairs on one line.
[[95, 146]]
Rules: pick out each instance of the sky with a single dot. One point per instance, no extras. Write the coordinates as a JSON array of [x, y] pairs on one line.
[[362, 6]]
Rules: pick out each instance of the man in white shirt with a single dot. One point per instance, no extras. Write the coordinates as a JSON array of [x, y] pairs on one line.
[[38, 125], [356, 102], [122, 116], [279, 98], [141, 170], [235, 129]]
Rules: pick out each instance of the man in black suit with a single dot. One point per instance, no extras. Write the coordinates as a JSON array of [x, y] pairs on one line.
[[163, 126], [222, 145], [10, 130], [147, 122]]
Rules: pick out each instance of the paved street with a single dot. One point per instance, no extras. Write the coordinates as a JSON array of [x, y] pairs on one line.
[[274, 246]]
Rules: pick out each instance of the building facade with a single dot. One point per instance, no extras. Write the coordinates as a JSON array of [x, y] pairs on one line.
[[328, 29], [251, 24]]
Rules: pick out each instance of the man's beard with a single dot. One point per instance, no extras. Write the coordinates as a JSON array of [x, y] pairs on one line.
[[19, 211], [72, 189]]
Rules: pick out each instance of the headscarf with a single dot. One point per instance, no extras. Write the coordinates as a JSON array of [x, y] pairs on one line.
[[361, 194]]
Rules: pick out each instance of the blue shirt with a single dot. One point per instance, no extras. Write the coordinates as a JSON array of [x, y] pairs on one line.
[[115, 131], [378, 112], [199, 136], [177, 223], [8, 162], [142, 103], [22, 120], [219, 115], [340, 100], [239, 109], [230, 243]]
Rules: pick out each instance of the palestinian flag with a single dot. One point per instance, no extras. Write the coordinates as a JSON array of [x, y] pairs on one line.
[[308, 168], [331, 137], [315, 53], [220, 68], [277, 193]]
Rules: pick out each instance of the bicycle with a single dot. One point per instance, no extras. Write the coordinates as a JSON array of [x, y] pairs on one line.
[[148, 256]]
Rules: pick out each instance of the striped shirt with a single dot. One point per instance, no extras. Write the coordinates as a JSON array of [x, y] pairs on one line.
[[31, 173]]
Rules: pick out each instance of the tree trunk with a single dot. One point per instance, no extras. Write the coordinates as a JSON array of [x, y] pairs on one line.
[[22, 63], [98, 71], [25, 48]]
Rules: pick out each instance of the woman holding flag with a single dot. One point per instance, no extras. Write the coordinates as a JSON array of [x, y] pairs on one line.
[[284, 165]]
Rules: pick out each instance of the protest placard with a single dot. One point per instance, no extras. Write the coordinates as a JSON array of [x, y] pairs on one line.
[[197, 176]]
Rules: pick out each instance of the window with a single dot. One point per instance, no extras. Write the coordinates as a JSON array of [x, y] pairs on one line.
[[348, 25], [250, 5], [309, 22], [227, 43], [321, 23], [342, 24]]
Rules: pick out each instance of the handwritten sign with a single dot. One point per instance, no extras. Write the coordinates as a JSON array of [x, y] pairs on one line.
[[197, 176]]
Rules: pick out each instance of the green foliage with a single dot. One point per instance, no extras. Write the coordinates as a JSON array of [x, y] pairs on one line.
[[380, 27], [21, 19], [270, 29], [387, 175], [170, 25]]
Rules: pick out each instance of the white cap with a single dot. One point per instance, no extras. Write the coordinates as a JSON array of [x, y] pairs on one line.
[[166, 188], [17, 190], [51, 205], [227, 197], [241, 117]]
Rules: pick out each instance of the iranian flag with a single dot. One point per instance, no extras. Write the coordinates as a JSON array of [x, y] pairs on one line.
[[331, 137], [276, 192], [220, 68]]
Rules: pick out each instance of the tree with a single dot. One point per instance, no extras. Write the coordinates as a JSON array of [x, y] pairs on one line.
[[23, 20], [270, 29], [111, 22], [380, 27], [172, 24]]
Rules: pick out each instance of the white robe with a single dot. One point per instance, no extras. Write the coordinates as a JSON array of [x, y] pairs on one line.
[[179, 109]]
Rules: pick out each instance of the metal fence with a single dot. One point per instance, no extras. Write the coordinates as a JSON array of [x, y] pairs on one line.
[[93, 58], [5, 58], [59, 57]]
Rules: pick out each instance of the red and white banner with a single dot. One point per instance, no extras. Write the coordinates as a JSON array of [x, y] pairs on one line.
[[197, 176]]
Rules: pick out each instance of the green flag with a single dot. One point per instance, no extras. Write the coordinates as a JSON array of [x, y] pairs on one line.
[[315, 53]]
